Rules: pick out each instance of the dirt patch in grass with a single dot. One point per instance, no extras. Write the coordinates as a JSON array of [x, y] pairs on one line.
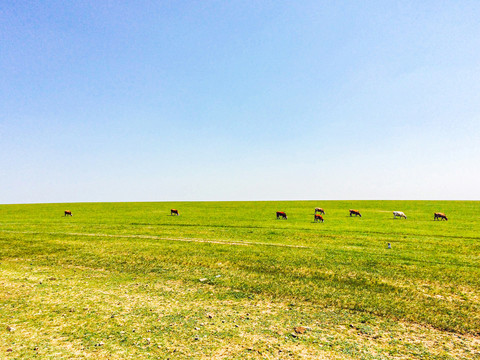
[[78, 315]]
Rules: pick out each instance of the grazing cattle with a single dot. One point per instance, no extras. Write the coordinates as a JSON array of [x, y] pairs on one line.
[[355, 212], [281, 214], [439, 216], [174, 212], [318, 217], [68, 212], [320, 210], [399, 214]]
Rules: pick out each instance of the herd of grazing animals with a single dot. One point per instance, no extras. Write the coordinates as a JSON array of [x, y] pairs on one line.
[[318, 217]]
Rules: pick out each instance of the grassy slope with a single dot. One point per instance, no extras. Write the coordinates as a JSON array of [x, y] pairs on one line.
[[71, 286]]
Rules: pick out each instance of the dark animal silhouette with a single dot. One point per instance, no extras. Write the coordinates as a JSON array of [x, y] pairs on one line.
[[439, 216], [355, 212]]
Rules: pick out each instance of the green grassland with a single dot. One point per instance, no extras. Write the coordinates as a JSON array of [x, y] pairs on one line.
[[228, 280]]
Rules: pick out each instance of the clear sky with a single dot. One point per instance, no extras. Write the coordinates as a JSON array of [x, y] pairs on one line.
[[239, 100]]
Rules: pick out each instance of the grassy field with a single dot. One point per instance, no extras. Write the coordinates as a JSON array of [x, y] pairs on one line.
[[228, 280]]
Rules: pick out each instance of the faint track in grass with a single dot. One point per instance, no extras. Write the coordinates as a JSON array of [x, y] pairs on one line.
[[153, 237], [330, 234]]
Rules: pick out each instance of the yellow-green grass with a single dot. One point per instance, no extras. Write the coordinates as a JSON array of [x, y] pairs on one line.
[[229, 280]]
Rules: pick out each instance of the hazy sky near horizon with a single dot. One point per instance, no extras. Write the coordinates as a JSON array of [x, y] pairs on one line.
[[239, 100]]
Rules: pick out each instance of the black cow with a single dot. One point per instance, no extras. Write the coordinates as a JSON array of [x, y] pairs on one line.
[[355, 212]]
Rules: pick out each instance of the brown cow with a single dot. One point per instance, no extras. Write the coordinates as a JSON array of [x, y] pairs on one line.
[[68, 212], [439, 216], [318, 217], [174, 212], [355, 212], [281, 214], [320, 210]]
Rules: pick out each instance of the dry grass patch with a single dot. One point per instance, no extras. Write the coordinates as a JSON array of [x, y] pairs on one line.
[[83, 315]]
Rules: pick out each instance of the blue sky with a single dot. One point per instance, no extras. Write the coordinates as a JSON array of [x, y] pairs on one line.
[[239, 100]]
